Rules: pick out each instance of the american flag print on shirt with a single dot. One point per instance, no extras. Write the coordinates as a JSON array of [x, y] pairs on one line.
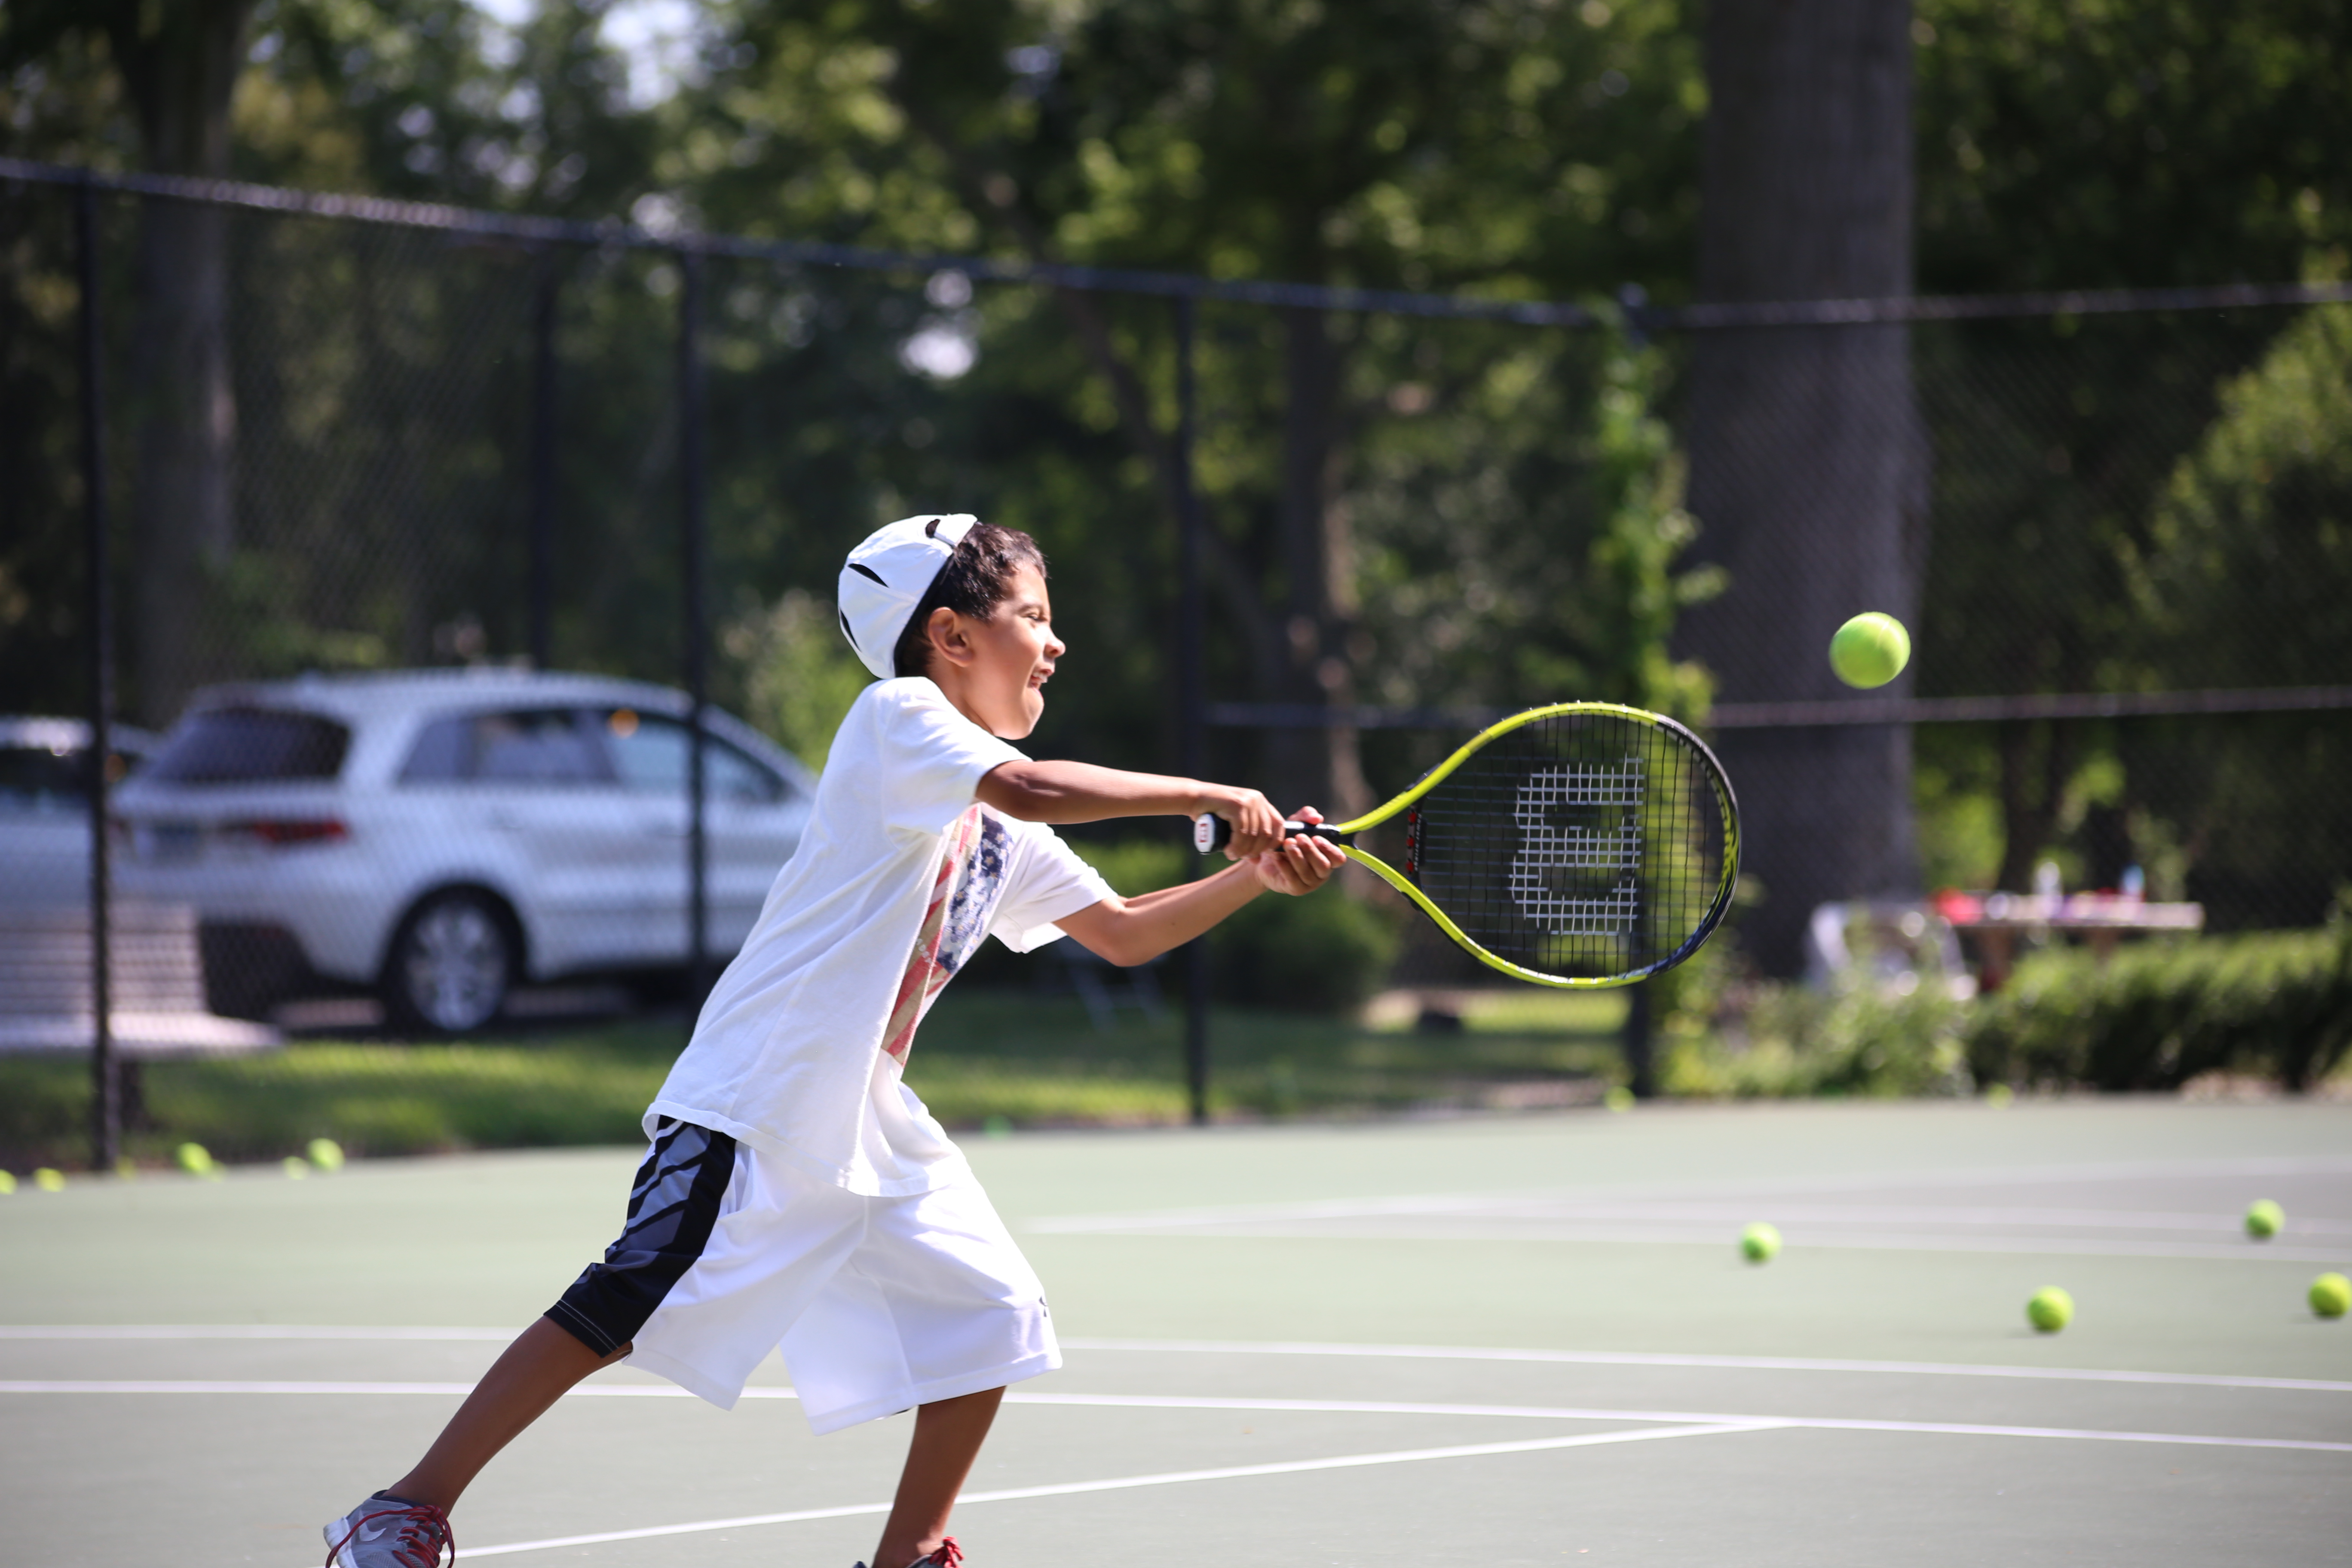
[[964, 896]]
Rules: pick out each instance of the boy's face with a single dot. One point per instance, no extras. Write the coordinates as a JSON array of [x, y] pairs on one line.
[[1012, 654]]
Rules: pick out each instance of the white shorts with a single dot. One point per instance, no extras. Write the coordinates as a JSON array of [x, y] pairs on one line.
[[879, 1303]]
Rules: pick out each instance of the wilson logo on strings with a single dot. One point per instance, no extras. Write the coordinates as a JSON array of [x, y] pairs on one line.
[[1579, 848]]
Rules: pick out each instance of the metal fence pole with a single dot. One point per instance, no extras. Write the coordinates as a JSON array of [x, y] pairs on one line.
[[1191, 694], [1641, 1055], [106, 1086], [543, 464], [695, 569]]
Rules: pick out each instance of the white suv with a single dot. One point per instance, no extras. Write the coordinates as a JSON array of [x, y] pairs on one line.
[[439, 835]]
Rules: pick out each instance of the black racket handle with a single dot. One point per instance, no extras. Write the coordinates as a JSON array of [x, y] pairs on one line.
[[1212, 833]]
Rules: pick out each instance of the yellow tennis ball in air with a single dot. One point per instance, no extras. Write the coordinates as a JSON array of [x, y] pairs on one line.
[[1870, 649], [2331, 1295], [2050, 1310], [2264, 1219], [326, 1153], [1760, 1243]]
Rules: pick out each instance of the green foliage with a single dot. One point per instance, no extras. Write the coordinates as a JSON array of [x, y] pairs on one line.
[[1325, 952], [800, 675], [2245, 580], [2110, 144], [1727, 1038], [2099, 143], [1636, 594], [2250, 559], [1033, 1060], [374, 1099], [2154, 1016], [1134, 867]]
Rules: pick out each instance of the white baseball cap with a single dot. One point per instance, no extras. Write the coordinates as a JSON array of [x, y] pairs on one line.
[[887, 575]]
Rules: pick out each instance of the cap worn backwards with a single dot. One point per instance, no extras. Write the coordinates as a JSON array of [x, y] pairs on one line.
[[887, 575]]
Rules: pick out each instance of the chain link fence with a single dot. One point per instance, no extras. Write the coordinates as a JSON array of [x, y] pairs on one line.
[[472, 655]]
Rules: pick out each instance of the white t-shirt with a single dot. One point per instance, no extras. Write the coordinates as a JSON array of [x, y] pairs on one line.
[[899, 874]]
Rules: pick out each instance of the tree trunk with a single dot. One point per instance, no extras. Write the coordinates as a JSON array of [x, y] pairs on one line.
[[1322, 768], [1808, 455], [180, 64]]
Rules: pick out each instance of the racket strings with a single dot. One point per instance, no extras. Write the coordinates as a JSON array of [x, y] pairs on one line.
[[1582, 845]]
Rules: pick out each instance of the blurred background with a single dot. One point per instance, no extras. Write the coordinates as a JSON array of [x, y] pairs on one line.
[[429, 432]]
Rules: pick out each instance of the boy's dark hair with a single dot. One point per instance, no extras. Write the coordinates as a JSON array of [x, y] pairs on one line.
[[975, 579]]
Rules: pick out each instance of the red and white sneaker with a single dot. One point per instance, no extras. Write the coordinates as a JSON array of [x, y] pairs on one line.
[[385, 1532], [947, 1556]]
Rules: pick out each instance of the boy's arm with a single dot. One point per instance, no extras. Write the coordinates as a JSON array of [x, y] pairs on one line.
[[1061, 792], [1139, 929]]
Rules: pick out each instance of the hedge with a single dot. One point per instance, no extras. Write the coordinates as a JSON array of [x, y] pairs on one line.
[[2153, 1017]]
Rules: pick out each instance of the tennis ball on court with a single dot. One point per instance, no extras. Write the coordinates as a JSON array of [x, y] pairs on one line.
[[1619, 1098], [1999, 1096], [2264, 1219], [49, 1181], [1760, 1243], [1870, 649], [2051, 1310], [7, 1182], [326, 1153], [195, 1159], [2331, 1295], [296, 1167]]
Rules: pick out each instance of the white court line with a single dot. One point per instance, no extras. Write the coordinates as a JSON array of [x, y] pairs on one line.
[[1284, 1347], [246, 1332], [1709, 1419], [1484, 1229], [1732, 1362], [1123, 1483], [1720, 1191], [1559, 1210]]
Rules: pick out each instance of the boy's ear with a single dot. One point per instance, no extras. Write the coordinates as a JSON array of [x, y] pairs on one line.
[[945, 630]]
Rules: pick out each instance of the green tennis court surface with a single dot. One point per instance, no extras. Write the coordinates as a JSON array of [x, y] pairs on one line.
[[1487, 1341]]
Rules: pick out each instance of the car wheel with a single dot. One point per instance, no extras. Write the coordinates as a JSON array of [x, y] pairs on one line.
[[451, 964]]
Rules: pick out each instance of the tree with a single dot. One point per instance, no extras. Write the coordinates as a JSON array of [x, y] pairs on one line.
[[1342, 146], [179, 66], [2246, 581], [2091, 145], [1807, 456]]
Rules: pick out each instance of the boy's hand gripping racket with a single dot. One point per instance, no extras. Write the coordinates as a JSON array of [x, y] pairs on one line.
[[1583, 845]]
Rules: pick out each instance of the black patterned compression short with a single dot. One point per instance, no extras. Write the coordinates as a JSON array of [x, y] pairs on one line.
[[672, 1208]]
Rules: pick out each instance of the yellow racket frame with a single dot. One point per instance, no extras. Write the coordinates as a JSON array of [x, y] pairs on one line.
[[1725, 802]]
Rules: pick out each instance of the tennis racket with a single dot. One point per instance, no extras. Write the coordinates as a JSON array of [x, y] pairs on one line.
[[1583, 845]]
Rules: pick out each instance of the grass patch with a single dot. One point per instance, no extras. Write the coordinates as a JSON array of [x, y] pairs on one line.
[[982, 1055]]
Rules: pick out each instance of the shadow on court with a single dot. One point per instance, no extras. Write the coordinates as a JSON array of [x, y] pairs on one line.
[[1485, 1340]]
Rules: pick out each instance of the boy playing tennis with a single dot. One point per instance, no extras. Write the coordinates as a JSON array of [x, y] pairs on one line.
[[796, 1195]]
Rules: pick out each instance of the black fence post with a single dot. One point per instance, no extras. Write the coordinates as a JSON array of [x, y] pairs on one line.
[[543, 464], [1641, 1057], [106, 1080], [1191, 694], [698, 634]]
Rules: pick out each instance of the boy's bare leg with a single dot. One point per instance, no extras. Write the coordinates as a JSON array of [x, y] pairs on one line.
[[948, 1436], [535, 1371]]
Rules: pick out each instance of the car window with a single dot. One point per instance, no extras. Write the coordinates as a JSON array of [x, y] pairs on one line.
[[35, 778], [444, 752], [251, 745], [649, 753], [546, 745]]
